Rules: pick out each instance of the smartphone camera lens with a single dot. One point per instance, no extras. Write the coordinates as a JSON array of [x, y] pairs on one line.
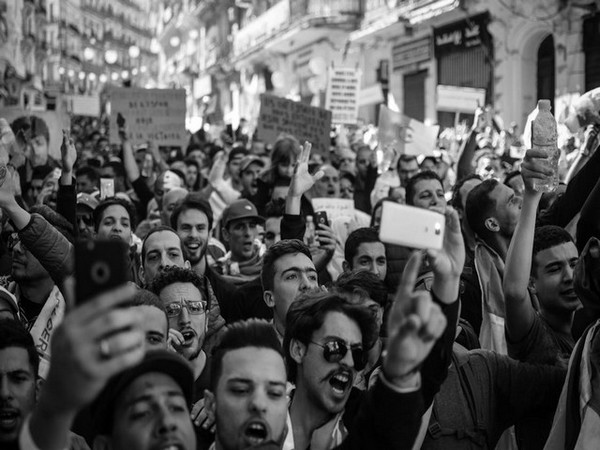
[[100, 272]]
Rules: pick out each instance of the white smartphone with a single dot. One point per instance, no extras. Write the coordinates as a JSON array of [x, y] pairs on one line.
[[107, 188], [411, 227]]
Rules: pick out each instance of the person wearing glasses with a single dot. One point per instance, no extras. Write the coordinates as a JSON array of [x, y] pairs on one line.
[[180, 291], [86, 204]]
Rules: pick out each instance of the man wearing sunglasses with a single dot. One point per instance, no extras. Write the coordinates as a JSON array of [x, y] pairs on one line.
[[86, 204], [179, 290]]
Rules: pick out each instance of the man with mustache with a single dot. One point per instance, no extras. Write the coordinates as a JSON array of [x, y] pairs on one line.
[[179, 290], [250, 169]]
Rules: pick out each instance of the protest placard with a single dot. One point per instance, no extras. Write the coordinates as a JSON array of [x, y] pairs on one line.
[[343, 89], [335, 207], [459, 99], [156, 115], [307, 123], [405, 135], [55, 121]]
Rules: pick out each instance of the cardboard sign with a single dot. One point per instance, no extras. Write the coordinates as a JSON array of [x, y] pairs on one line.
[[307, 123], [405, 135], [335, 207], [459, 99], [371, 95], [55, 122], [156, 115], [343, 90], [83, 105]]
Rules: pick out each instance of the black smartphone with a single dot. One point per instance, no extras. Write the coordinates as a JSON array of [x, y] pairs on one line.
[[321, 218], [100, 265], [120, 120]]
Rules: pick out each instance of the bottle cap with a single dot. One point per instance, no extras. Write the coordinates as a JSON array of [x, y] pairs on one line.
[[544, 104]]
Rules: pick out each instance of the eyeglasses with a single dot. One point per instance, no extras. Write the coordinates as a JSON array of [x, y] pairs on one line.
[[335, 350], [13, 240], [193, 307], [87, 219]]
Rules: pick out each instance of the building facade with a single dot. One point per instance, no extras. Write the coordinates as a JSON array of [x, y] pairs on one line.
[[74, 47], [420, 54]]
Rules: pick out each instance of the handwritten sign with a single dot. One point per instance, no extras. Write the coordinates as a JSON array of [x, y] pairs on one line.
[[343, 89], [335, 207], [307, 123], [156, 115], [405, 135]]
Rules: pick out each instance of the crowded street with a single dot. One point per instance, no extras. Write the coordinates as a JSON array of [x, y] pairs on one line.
[[299, 224]]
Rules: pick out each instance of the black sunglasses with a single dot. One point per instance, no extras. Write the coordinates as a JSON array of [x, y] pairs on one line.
[[335, 350]]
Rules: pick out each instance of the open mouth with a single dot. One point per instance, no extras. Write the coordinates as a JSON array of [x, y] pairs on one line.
[[193, 246], [256, 433], [188, 336], [172, 447], [8, 419], [340, 382]]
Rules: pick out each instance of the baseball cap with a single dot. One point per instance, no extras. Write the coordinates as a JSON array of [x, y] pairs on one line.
[[87, 200], [250, 159], [162, 361], [240, 209], [236, 151]]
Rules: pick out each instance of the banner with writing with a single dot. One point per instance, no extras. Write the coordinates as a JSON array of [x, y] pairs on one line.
[[156, 115], [307, 123], [343, 90], [335, 207], [405, 135]]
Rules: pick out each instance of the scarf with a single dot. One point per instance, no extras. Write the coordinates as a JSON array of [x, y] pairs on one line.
[[490, 271], [577, 418], [43, 326], [244, 270]]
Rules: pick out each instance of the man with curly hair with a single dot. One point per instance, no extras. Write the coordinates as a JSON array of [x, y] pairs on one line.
[[179, 290]]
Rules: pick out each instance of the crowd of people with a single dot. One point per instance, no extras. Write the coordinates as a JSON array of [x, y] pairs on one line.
[[246, 323]]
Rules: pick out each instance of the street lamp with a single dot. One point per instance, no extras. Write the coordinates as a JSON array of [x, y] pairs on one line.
[[92, 76], [134, 51], [125, 74], [111, 56], [103, 78], [89, 53], [114, 76], [174, 41]]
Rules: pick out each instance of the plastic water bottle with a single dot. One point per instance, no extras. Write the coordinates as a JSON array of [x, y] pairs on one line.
[[543, 137], [309, 235]]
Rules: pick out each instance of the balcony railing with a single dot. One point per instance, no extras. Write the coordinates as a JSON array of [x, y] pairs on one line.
[[287, 13], [324, 8]]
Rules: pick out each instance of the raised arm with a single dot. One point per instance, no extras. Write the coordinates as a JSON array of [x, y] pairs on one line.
[[519, 309], [66, 198], [131, 168]]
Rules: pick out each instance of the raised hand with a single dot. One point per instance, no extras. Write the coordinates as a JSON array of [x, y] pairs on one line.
[[535, 167], [302, 180], [217, 171], [414, 324], [95, 341], [201, 418], [68, 152], [450, 260]]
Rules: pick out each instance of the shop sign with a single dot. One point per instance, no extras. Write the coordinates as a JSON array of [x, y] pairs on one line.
[[462, 35], [410, 53]]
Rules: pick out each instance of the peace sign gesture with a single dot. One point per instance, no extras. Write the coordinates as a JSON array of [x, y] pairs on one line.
[[414, 324], [302, 180]]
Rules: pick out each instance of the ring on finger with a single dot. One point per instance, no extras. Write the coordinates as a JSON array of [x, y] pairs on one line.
[[104, 349]]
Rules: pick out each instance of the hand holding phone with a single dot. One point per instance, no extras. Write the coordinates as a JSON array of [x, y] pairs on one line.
[[107, 188], [99, 266], [411, 227], [321, 218]]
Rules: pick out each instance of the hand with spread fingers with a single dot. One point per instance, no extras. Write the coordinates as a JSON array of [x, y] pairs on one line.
[[414, 324], [302, 180], [201, 418]]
